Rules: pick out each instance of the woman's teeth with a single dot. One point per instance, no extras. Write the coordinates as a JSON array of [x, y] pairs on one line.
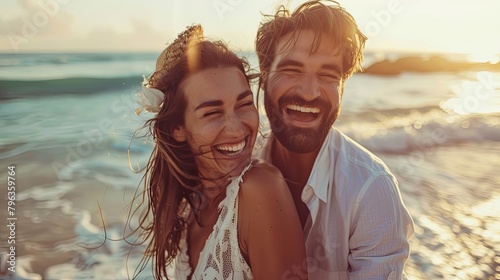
[[231, 150]]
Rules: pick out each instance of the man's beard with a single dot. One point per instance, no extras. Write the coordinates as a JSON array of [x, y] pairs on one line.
[[296, 139]]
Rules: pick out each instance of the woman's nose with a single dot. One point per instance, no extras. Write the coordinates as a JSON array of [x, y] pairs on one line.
[[234, 125]]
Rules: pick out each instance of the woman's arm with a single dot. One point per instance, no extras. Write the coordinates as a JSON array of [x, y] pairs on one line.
[[269, 227]]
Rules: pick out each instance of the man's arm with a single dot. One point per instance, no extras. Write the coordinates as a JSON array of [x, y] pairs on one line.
[[378, 243]]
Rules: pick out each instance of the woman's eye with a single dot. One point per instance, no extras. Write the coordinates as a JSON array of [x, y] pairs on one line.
[[246, 104]]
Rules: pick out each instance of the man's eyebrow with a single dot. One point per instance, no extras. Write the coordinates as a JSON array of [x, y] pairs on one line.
[[289, 62], [213, 103], [294, 63], [333, 67]]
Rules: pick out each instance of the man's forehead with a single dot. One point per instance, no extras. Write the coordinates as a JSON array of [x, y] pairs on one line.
[[307, 42]]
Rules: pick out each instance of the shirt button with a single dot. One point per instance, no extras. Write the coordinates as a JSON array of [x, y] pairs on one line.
[[392, 276], [307, 194]]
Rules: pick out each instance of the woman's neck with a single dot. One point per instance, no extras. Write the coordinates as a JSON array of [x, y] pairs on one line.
[[214, 192]]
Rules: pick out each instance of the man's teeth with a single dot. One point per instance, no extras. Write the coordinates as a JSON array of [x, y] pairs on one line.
[[232, 148], [303, 109]]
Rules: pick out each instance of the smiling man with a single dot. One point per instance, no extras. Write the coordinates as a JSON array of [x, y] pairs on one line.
[[354, 220]]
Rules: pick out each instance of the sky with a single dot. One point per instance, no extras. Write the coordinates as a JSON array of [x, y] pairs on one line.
[[449, 26]]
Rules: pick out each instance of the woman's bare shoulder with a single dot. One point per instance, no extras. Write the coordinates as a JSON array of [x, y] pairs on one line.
[[268, 221], [262, 176], [263, 184]]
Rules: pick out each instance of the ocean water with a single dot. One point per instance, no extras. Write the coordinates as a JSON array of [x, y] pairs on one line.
[[67, 122]]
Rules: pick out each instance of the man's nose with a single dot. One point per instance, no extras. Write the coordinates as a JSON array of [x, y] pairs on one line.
[[309, 88]]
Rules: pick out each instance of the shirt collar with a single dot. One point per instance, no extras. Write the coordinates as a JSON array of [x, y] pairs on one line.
[[319, 180], [320, 176]]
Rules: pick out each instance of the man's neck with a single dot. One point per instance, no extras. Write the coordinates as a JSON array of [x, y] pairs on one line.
[[296, 168]]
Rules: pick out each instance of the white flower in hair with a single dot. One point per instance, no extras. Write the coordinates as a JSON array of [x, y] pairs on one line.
[[150, 100]]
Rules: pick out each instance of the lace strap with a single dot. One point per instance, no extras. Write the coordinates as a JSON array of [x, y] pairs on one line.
[[221, 243]]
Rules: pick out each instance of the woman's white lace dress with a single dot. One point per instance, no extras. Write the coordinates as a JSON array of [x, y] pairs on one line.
[[221, 256]]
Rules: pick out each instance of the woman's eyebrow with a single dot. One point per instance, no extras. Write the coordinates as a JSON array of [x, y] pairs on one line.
[[213, 103], [209, 103], [244, 94]]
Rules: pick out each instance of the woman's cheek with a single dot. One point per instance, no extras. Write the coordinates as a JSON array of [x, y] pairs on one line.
[[250, 116]]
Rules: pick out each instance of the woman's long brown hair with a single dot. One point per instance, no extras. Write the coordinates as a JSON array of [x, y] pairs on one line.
[[171, 175]]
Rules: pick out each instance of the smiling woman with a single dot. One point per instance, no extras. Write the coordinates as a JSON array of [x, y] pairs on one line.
[[207, 198], [221, 125]]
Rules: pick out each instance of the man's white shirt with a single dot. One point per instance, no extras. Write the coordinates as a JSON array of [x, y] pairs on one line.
[[359, 227]]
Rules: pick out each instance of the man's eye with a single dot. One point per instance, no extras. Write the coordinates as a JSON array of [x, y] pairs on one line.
[[211, 113], [329, 77], [291, 71]]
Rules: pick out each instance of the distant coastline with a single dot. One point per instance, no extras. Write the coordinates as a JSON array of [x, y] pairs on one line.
[[375, 62], [434, 63]]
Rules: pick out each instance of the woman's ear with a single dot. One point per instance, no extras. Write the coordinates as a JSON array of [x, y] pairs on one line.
[[179, 134]]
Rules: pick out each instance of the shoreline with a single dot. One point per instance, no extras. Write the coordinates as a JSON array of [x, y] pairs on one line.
[[54, 216]]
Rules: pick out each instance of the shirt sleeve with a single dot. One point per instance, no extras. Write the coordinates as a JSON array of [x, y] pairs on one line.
[[381, 227]]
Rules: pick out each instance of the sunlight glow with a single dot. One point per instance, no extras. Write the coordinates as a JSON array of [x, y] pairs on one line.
[[482, 57], [469, 27], [481, 96], [488, 208]]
